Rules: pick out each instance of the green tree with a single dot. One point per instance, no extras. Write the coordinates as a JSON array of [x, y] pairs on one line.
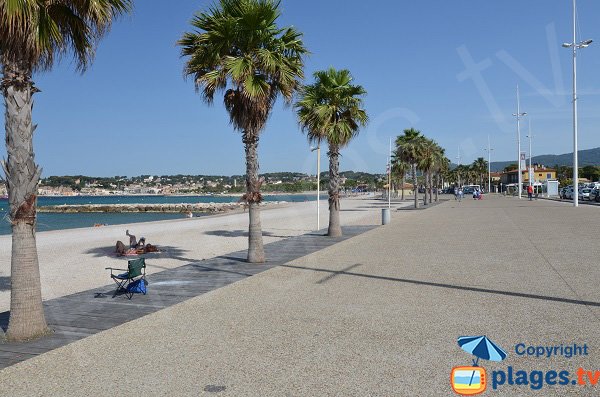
[[442, 165], [331, 109], [409, 148], [480, 167], [399, 170], [511, 167], [238, 48], [33, 33]]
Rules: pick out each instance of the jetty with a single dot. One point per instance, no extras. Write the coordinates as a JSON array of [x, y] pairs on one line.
[[136, 208]]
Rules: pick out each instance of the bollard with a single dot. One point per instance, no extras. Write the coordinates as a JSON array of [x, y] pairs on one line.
[[385, 216]]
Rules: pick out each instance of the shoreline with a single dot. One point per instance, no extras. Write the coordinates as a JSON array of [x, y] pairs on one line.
[[82, 254], [182, 208]]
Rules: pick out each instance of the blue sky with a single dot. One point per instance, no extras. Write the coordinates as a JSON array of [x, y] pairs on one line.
[[133, 113]]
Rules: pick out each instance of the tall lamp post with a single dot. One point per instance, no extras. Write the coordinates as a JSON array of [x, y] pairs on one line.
[[318, 149], [530, 173], [489, 152], [458, 173], [519, 115], [575, 46]]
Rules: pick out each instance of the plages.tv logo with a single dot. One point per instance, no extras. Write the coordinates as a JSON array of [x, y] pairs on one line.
[[471, 380]]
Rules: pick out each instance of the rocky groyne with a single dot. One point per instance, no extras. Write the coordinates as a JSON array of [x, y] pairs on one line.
[[183, 208]]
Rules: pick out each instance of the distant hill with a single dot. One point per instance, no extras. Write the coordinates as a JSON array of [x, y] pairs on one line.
[[586, 157]]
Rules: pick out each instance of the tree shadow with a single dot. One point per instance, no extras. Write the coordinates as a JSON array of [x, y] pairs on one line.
[[165, 251], [434, 284], [4, 283], [240, 233]]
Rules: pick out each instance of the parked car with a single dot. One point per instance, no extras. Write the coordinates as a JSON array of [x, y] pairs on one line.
[[567, 193], [584, 193], [595, 195], [561, 192]]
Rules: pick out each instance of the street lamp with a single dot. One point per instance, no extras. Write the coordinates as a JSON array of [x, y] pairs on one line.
[[530, 173], [458, 173], [489, 152], [575, 46], [318, 149], [518, 115]]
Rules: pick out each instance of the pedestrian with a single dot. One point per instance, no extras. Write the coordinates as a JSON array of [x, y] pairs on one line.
[[460, 194], [530, 192]]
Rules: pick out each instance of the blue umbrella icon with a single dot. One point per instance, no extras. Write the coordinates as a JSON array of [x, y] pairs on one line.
[[481, 347]]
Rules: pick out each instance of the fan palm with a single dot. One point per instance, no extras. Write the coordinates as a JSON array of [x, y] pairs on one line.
[[399, 170], [33, 33], [480, 166], [409, 148], [331, 110], [442, 170], [237, 48], [428, 163]]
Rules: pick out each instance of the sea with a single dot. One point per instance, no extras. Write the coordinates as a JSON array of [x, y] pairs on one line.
[[59, 221]]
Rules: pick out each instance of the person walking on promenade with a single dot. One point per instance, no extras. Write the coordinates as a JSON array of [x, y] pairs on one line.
[[530, 192], [460, 194]]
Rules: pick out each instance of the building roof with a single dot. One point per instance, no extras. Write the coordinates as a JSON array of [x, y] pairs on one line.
[[535, 170]]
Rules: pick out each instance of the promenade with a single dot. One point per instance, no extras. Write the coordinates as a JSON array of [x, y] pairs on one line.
[[374, 315]]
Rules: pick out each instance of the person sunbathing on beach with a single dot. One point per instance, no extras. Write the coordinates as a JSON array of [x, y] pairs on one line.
[[132, 240]]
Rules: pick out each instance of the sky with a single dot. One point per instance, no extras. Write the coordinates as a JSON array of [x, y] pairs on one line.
[[447, 68]]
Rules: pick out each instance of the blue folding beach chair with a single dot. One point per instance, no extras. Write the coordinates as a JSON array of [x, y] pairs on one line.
[[133, 280]]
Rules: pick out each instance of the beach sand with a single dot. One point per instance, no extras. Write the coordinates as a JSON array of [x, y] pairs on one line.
[[74, 260]]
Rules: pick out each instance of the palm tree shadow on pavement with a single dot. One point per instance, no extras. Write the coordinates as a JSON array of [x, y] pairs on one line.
[[240, 233], [426, 283]]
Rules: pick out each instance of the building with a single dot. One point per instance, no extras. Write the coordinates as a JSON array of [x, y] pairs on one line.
[[541, 174]]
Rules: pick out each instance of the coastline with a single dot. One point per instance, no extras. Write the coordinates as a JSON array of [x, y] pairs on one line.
[[81, 254]]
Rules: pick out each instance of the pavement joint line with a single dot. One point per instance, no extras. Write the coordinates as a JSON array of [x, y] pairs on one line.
[[452, 286]]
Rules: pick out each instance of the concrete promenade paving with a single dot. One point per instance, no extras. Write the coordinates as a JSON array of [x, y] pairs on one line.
[[375, 315]]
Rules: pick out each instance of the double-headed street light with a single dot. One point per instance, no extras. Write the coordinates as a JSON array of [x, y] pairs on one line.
[[575, 46], [318, 149]]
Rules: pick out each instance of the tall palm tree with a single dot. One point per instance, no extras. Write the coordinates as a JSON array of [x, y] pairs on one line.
[[331, 109], [237, 48], [399, 170], [480, 166], [428, 163], [442, 170], [409, 148], [33, 33]]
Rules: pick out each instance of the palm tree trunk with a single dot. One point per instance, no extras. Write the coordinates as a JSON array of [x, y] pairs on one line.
[[335, 229], [256, 252], [425, 188], [430, 175], [402, 187], [437, 186], [415, 188], [27, 320]]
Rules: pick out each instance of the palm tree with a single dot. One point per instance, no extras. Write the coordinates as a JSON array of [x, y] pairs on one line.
[[399, 170], [409, 149], [442, 170], [33, 33], [237, 48], [480, 167], [428, 163], [331, 110]]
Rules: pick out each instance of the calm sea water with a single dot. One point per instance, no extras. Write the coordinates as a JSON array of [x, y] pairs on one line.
[[52, 221]]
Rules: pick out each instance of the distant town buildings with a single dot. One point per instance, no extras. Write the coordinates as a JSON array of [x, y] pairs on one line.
[[541, 174]]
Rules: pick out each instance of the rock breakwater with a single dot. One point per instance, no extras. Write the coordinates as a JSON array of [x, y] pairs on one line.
[[170, 208]]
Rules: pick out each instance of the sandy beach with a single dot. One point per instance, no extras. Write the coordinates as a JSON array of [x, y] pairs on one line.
[[75, 260]]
